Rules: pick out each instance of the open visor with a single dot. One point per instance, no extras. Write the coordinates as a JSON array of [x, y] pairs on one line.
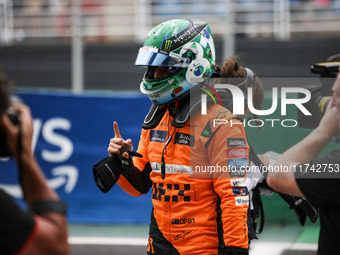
[[151, 57]]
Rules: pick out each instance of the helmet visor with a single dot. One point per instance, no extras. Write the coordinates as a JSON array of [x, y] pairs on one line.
[[151, 57]]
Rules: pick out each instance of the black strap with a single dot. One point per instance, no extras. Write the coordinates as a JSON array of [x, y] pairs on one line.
[[258, 210], [253, 157], [257, 200], [49, 206]]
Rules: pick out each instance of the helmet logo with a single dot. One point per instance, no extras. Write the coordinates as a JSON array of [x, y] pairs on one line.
[[154, 95], [167, 45], [177, 90], [178, 39], [206, 34], [198, 70], [187, 34]]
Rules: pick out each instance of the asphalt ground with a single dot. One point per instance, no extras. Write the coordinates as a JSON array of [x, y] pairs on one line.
[[107, 249], [132, 240], [140, 250]]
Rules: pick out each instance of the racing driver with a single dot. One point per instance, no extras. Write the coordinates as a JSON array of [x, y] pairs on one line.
[[194, 211]]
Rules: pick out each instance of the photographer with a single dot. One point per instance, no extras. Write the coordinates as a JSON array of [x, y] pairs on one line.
[[300, 180], [42, 229]]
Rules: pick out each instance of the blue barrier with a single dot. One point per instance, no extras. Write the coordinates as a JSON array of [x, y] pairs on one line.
[[71, 134]]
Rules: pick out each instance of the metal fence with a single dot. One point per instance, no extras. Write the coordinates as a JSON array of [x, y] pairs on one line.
[[110, 20]]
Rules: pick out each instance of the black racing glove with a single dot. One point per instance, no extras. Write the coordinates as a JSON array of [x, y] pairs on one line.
[[106, 172]]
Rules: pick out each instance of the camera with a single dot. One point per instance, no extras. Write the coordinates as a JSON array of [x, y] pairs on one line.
[[14, 117], [321, 94], [327, 69]]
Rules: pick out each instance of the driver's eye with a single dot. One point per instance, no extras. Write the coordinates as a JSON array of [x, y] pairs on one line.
[[172, 69]]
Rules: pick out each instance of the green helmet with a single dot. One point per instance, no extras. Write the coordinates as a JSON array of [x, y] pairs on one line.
[[186, 48]]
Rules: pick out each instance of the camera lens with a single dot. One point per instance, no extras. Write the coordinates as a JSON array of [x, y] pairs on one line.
[[4, 151]]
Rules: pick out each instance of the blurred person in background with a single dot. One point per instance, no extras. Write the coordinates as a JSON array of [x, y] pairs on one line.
[[305, 179], [255, 180], [42, 229], [193, 212]]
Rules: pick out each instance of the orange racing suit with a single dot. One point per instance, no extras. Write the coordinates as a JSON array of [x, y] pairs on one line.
[[197, 207]]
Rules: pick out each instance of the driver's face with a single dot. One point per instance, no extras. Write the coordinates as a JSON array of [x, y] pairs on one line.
[[161, 72]]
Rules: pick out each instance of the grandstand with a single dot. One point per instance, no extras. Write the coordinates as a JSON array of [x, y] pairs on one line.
[[73, 62]]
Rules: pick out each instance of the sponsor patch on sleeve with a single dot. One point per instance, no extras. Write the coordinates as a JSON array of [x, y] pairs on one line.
[[238, 162], [237, 167], [238, 182], [240, 201], [237, 152], [237, 172], [236, 142], [240, 191]]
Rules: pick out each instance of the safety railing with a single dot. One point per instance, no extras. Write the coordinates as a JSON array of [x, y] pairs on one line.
[[111, 20], [105, 21]]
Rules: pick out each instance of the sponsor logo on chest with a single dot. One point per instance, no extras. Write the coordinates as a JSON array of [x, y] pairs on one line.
[[185, 139], [158, 136]]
